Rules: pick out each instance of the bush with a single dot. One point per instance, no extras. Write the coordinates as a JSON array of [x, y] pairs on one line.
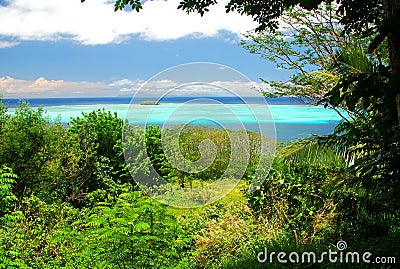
[[296, 195]]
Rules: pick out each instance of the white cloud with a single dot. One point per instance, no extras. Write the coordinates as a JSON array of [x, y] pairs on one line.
[[95, 22], [127, 82], [42, 87], [8, 44], [160, 84], [213, 88], [127, 89]]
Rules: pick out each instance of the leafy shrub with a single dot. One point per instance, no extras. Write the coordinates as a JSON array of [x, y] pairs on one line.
[[136, 232], [98, 136], [190, 138], [7, 198], [133, 232], [230, 232], [297, 193]]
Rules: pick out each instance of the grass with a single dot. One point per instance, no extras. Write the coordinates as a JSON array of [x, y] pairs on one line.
[[235, 197]]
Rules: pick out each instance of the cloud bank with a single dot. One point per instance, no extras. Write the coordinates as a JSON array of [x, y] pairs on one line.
[[41, 87], [95, 22], [44, 88]]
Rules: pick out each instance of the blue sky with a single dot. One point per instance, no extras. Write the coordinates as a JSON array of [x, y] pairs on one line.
[[64, 48]]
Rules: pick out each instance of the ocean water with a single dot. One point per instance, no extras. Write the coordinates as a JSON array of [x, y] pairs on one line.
[[282, 118]]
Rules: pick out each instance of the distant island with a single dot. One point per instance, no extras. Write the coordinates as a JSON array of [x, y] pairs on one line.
[[146, 103]]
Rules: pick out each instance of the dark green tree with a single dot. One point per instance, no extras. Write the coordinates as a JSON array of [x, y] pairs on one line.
[[98, 138], [30, 146]]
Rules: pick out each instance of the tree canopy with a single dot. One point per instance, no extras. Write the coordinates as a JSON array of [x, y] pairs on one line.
[[357, 15]]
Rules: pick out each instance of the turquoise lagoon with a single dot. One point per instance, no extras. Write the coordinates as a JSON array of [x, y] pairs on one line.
[[289, 120]]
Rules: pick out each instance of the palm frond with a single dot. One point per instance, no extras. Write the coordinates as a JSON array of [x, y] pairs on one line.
[[310, 151]]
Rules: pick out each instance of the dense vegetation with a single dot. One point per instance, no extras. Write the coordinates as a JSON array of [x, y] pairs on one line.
[[67, 200]]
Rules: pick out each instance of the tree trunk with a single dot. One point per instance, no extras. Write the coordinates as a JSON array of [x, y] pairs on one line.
[[392, 9]]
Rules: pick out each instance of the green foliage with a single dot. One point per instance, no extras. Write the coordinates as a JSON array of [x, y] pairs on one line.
[[25, 237], [104, 127], [356, 16], [307, 47], [310, 196], [371, 139], [344, 76], [29, 146], [121, 4], [265, 13], [187, 150], [7, 198], [229, 233], [133, 232], [59, 164], [296, 193], [136, 232], [309, 152], [3, 114], [153, 135], [73, 204], [97, 137]]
